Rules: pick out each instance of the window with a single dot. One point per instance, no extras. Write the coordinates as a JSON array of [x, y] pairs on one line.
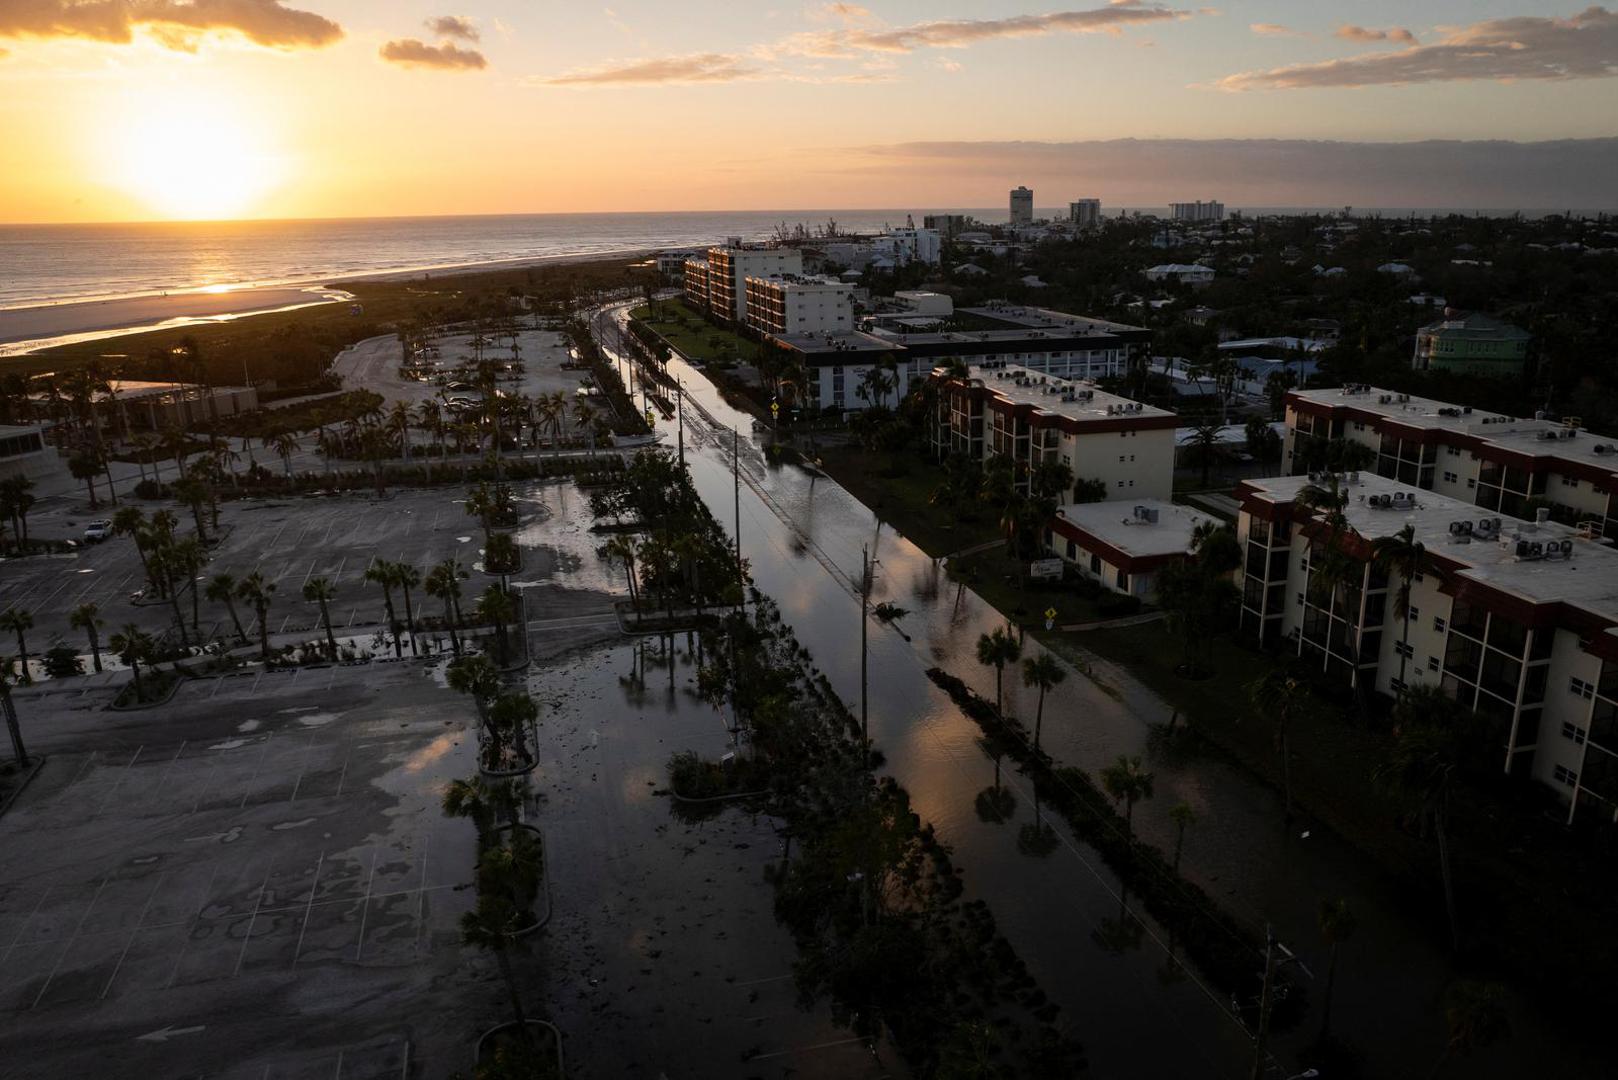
[[1415, 613], [1397, 684], [1579, 688], [1432, 663], [1451, 478], [1471, 483], [1300, 599], [1403, 649], [1120, 459], [1565, 775], [1438, 623], [1570, 730]]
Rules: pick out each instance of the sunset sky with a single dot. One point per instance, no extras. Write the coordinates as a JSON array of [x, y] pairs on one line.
[[154, 109]]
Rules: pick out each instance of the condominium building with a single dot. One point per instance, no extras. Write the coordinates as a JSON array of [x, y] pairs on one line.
[[1471, 345], [1005, 409], [1022, 206], [1123, 544], [1501, 464], [1515, 620], [720, 288], [1085, 214], [1197, 211], [794, 304], [910, 245], [946, 225]]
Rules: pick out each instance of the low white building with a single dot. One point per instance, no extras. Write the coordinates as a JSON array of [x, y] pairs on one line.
[[1183, 273], [935, 305], [1123, 544], [910, 245]]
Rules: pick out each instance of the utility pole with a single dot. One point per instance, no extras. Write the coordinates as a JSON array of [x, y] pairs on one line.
[[865, 601], [736, 481], [1264, 1004], [679, 400]]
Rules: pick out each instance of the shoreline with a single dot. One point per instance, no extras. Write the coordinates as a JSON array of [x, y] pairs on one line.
[[27, 330]]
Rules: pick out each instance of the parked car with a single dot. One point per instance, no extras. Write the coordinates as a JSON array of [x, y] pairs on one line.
[[97, 531]]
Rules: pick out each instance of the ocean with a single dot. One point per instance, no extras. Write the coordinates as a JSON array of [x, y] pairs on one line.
[[42, 264]]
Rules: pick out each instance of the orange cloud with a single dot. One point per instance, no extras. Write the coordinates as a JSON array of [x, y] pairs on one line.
[[175, 24], [454, 26], [1365, 35], [410, 53], [692, 68]]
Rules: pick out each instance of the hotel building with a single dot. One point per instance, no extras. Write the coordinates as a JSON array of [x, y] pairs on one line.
[[791, 304], [1032, 418], [1499, 463], [721, 288], [1085, 214], [1515, 620], [1022, 206], [1197, 211]]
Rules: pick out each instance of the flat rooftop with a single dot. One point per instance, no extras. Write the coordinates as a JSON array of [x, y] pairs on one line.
[[848, 341], [1517, 434], [1047, 393], [1117, 524], [1588, 578], [1045, 318]]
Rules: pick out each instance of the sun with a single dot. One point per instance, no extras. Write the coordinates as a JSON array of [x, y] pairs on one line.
[[200, 158]]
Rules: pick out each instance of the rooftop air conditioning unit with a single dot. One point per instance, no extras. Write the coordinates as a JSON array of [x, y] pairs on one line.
[[1567, 547], [1522, 549]]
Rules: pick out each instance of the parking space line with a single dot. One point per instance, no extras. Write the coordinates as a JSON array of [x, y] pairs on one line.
[[23, 929], [365, 908], [119, 782], [247, 938], [217, 683], [339, 1073], [179, 957], [163, 781], [256, 768], [421, 890], [332, 677], [310, 907], [46, 985], [133, 934], [341, 776], [311, 572], [213, 772]]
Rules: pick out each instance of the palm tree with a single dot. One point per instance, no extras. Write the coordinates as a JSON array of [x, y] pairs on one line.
[[222, 590], [1282, 695], [444, 583], [189, 558], [493, 925], [320, 591], [996, 650], [381, 573], [1432, 735], [19, 622], [84, 618], [623, 550], [1127, 781], [477, 677], [1337, 925], [1044, 672], [405, 576], [1405, 556], [1474, 1019], [475, 800], [496, 606], [285, 445], [256, 591], [1182, 814], [510, 717], [193, 492], [9, 707], [133, 645]]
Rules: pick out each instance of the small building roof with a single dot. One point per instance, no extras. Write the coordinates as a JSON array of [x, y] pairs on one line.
[[1137, 529]]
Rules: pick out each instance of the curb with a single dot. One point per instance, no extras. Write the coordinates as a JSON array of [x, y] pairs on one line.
[[556, 1036], [39, 763], [174, 688]]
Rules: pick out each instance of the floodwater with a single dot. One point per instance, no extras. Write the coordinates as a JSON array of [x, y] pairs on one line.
[[803, 536]]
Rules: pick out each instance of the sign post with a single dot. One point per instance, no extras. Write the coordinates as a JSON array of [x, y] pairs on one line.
[[1050, 618]]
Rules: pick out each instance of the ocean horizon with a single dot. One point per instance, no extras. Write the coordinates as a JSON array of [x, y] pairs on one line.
[[52, 264]]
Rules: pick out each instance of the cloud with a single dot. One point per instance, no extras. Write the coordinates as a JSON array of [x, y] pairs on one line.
[[857, 40], [960, 33], [1368, 36], [1582, 46], [176, 24], [454, 26], [1269, 29], [1482, 174], [692, 68], [410, 53]]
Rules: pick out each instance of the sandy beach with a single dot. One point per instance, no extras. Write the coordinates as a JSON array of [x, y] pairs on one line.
[[29, 329], [34, 327]]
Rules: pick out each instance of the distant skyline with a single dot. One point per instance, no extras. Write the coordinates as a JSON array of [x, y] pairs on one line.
[[174, 109]]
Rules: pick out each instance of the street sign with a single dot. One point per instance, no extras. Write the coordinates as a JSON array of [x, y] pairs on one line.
[[651, 419], [1050, 614], [775, 408]]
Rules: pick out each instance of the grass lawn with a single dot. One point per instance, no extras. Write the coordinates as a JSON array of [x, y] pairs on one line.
[[693, 335], [904, 500]]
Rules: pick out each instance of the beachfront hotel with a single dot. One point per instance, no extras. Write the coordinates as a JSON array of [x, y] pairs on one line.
[[1033, 418], [795, 304], [1501, 464], [1515, 620], [717, 284]]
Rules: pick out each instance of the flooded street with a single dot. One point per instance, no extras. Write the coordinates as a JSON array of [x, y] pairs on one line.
[[1137, 1013]]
